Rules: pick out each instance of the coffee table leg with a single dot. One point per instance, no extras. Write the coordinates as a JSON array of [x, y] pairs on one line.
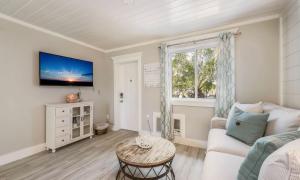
[[172, 173], [169, 174], [119, 172]]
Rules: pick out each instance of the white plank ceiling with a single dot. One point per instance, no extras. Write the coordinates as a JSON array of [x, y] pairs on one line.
[[113, 23]]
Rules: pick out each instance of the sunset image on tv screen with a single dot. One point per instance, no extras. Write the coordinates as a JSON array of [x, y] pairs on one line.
[[59, 70]]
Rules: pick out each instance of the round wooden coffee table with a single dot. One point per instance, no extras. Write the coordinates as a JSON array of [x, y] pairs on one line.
[[154, 163]]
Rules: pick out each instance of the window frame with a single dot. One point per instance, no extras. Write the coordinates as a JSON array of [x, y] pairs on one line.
[[201, 102]]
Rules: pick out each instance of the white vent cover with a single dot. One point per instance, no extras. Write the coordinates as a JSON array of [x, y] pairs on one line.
[[178, 120]]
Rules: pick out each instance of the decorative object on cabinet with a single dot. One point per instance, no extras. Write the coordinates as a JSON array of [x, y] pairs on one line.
[[68, 123], [73, 98]]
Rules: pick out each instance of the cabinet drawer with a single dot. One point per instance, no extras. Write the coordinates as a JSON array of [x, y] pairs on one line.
[[60, 141], [62, 121], [61, 111], [62, 131]]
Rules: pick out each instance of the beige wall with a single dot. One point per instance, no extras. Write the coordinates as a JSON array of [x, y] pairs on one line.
[[257, 63], [22, 100], [256, 75], [291, 55]]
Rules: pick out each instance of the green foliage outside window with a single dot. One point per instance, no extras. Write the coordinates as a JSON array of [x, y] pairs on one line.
[[194, 71], [183, 81]]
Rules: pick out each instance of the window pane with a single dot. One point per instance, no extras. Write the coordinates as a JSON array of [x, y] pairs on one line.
[[183, 80], [206, 70]]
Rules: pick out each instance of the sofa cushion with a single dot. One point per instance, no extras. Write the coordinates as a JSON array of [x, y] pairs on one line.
[[218, 123], [281, 164], [221, 166], [218, 141], [255, 108], [262, 148], [246, 126], [268, 107], [283, 120]]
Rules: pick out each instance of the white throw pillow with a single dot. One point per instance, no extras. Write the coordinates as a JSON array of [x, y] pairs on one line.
[[282, 120], [255, 108], [283, 164], [268, 107]]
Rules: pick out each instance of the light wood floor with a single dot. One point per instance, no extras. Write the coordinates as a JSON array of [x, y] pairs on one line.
[[94, 159]]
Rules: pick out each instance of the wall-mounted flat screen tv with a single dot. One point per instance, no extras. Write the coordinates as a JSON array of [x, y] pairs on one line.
[[58, 70]]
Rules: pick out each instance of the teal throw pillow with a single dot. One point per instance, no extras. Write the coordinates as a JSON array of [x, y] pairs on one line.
[[247, 126], [262, 148]]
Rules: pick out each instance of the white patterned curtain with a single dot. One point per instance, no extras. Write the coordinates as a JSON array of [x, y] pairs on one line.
[[166, 94], [225, 95]]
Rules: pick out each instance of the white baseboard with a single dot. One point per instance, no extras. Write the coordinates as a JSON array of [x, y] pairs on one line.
[[115, 128], [22, 153], [180, 140]]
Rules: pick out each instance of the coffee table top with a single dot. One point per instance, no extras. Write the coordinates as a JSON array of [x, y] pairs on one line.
[[161, 152]]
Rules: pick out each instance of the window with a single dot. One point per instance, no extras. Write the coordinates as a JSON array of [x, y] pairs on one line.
[[194, 73]]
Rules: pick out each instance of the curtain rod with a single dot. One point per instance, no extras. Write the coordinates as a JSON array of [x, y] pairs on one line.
[[195, 41]]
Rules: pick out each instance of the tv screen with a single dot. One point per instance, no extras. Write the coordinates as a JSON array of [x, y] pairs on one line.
[[58, 70]]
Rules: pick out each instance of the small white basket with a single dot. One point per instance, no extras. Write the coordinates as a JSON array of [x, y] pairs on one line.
[[100, 128]]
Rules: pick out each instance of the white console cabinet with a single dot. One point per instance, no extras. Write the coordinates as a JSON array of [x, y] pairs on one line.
[[67, 123]]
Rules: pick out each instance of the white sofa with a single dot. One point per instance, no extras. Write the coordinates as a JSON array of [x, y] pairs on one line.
[[225, 154]]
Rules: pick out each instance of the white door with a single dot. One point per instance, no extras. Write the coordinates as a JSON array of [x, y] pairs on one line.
[[128, 95]]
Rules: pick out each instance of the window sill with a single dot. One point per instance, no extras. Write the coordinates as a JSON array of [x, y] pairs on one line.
[[194, 102]]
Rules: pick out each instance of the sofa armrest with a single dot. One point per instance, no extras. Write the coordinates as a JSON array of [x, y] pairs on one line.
[[218, 123]]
